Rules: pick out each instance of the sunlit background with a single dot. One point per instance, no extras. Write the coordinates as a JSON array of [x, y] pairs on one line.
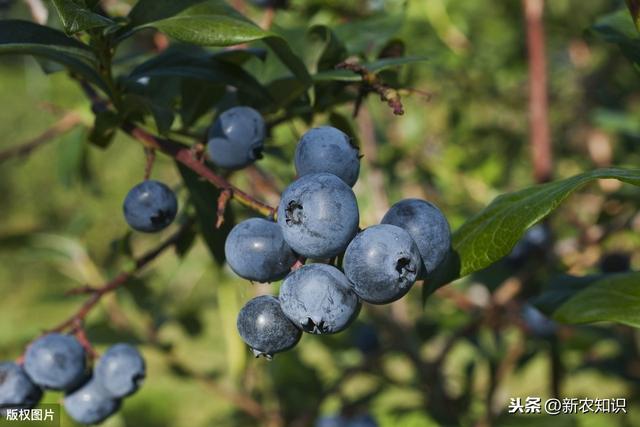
[[462, 141]]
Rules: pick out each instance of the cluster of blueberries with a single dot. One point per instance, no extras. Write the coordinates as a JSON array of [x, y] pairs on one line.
[[317, 219], [59, 362]]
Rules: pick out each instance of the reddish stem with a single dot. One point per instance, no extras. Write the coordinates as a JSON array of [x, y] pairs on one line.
[[223, 200], [120, 280], [150, 153], [538, 103], [183, 154], [299, 263]]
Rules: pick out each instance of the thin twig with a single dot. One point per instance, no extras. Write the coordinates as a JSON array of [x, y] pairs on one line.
[[371, 82], [65, 124], [120, 280], [150, 153], [223, 200]]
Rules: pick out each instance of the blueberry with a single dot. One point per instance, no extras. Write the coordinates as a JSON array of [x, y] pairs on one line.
[[327, 149], [265, 328], [55, 361], [16, 388], [318, 215], [427, 226], [255, 249], [276, 4], [536, 322], [120, 370], [331, 421], [362, 421], [236, 138], [150, 206], [319, 299], [532, 246], [615, 262], [382, 263], [90, 403]]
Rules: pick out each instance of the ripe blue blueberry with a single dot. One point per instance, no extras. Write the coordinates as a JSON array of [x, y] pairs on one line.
[[318, 215], [382, 263], [319, 299], [427, 226], [90, 403], [271, 3], [536, 322], [331, 421], [327, 149], [532, 246], [255, 250], [55, 361], [150, 206], [362, 421], [236, 138], [265, 328], [16, 388], [121, 370]]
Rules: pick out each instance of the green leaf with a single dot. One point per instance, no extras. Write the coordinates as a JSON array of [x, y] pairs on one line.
[[560, 289], [634, 9], [197, 100], [27, 38], [104, 129], [492, 233], [212, 23], [615, 298], [202, 66], [205, 199], [146, 11], [76, 16], [618, 28], [139, 105], [325, 49], [374, 67]]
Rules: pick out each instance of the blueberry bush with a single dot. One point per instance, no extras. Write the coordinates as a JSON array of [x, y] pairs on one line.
[[319, 213]]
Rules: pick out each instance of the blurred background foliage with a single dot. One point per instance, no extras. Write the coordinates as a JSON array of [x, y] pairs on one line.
[[458, 360]]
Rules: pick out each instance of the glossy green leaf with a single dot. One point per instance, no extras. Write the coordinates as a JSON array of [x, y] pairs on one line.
[[146, 11], [325, 49], [615, 298], [560, 289], [204, 67], [213, 23], [76, 16], [493, 232], [139, 105], [27, 38]]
